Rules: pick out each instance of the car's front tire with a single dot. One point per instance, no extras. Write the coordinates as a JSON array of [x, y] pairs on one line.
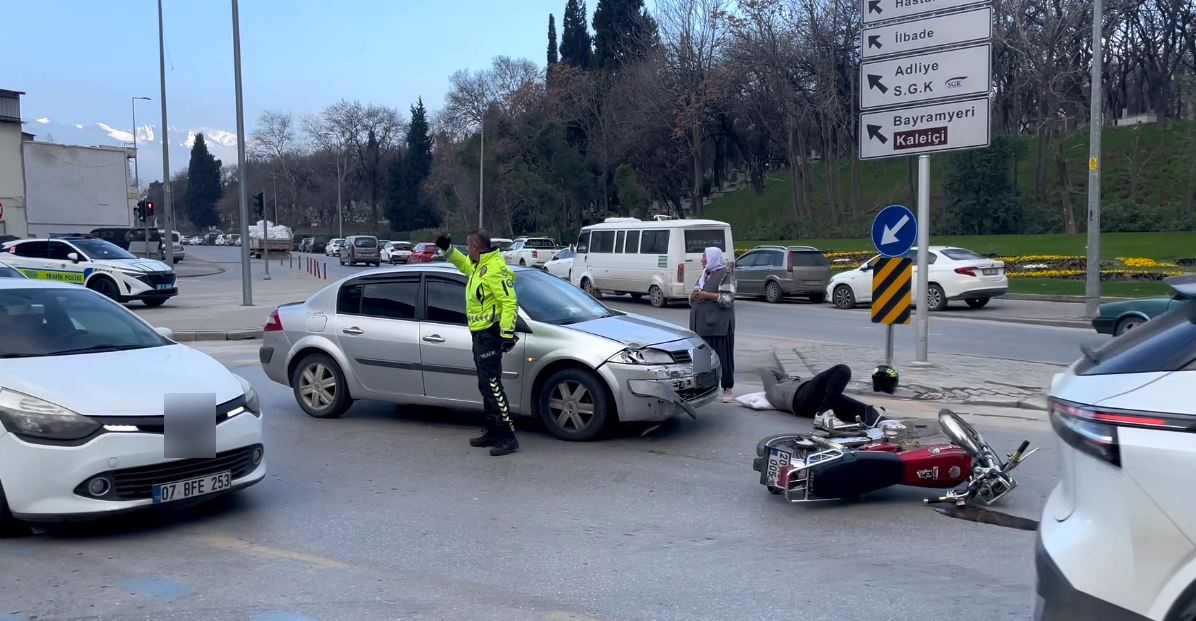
[[320, 388], [1125, 324], [10, 526], [106, 287], [574, 406], [843, 297]]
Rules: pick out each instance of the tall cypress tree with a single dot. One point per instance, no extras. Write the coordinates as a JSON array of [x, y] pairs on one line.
[[203, 186], [575, 40], [553, 57], [623, 31], [408, 209]]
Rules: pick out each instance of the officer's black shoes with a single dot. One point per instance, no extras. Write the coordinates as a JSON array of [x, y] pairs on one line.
[[486, 439], [505, 447]]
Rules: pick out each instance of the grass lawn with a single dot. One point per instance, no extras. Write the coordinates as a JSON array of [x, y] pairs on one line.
[[1164, 246], [1114, 289]]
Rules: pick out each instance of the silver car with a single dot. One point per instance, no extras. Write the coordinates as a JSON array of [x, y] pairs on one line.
[[400, 335], [361, 249]]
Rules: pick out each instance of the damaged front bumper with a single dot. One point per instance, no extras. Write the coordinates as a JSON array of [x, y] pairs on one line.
[[657, 393]]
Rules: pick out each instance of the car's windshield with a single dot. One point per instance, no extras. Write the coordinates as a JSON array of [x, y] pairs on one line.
[[9, 272], [548, 299], [97, 249], [53, 322]]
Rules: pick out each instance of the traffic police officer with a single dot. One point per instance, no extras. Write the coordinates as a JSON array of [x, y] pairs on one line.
[[492, 308]]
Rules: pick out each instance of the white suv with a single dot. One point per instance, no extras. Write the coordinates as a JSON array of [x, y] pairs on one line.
[[1116, 540]]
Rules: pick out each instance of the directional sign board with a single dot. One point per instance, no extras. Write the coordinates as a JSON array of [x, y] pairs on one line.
[[894, 231], [876, 11], [932, 32], [925, 129], [936, 75]]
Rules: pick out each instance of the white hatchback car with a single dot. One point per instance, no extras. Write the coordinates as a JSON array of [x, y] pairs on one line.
[[561, 264], [1117, 539], [82, 431], [955, 274]]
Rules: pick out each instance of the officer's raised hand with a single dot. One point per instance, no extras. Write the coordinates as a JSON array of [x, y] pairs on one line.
[[443, 242]]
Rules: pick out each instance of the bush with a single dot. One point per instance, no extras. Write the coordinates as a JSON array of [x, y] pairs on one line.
[[1130, 217]]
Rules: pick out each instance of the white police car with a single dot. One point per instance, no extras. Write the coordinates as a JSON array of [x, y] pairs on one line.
[[94, 263]]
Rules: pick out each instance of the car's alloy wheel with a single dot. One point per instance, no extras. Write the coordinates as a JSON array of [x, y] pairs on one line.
[[320, 388], [773, 293], [573, 405], [656, 297], [936, 298], [1127, 324], [844, 297]]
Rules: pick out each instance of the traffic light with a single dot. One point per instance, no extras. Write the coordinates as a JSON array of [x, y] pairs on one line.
[[141, 211], [149, 209], [259, 204]]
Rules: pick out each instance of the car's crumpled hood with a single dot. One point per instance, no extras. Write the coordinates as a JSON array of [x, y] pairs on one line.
[[637, 329], [121, 383]]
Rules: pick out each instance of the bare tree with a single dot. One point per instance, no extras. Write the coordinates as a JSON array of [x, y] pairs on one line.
[[275, 139], [332, 132]]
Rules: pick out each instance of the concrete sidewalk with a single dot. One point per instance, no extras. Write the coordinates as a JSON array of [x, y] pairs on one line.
[[953, 378]]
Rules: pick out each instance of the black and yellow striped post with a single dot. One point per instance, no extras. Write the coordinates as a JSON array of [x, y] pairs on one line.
[[892, 299]]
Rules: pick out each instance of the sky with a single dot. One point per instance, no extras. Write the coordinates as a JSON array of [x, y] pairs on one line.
[[80, 61]]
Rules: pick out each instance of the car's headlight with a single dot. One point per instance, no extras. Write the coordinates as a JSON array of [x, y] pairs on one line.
[[252, 403], [643, 356], [28, 416]]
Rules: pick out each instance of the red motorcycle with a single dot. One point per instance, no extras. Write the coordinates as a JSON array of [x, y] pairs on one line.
[[844, 461]]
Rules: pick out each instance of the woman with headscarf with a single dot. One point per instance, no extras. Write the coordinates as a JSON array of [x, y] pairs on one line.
[[712, 314]]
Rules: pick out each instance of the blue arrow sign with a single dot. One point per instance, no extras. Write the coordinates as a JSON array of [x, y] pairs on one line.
[[894, 231]]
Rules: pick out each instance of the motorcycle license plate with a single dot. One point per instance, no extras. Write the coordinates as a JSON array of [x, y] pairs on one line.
[[777, 459]]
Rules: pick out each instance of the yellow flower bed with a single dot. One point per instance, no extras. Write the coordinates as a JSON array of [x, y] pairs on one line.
[[1141, 262], [1104, 274]]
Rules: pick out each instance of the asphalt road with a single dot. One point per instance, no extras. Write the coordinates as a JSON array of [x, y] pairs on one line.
[[389, 514]]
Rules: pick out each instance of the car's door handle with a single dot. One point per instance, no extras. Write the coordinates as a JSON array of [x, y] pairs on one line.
[[354, 331], [434, 338]]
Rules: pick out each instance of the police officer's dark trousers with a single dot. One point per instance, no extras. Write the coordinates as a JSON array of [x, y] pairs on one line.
[[487, 357]]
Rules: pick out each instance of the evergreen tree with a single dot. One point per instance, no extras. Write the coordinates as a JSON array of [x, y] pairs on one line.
[[203, 186], [623, 31], [408, 208], [575, 40], [553, 57]]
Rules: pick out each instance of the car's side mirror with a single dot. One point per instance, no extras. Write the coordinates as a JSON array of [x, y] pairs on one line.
[[867, 267], [74, 257]]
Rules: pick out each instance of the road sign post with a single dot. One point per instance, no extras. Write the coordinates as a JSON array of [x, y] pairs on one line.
[[925, 78], [894, 231]]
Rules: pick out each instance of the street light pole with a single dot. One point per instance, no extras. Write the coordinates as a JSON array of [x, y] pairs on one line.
[[482, 171], [1092, 286], [167, 208], [242, 170], [136, 171]]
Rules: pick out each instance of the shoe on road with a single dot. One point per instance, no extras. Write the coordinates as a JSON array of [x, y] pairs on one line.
[[505, 447], [486, 439]]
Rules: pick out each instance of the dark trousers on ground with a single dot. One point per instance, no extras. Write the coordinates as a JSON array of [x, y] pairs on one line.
[[825, 392], [487, 357], [724, 346]]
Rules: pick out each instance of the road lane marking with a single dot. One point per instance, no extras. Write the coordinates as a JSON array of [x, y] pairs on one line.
[[233, 544], [560, 615]]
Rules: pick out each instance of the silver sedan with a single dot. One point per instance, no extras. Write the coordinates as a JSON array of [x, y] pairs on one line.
[[399, 335]]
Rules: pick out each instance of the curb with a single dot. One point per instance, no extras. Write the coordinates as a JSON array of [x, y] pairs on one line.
[[1037, 297], [191, 336], [1032, 321]]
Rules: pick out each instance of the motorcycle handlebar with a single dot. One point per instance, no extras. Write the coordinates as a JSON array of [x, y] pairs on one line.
[[1016, 457]]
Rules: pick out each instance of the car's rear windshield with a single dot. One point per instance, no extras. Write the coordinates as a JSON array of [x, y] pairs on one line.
[[366, 242], [959, 254], [1164, 344], [399, 246], [52, 322], [698, 240], [808, 258]]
